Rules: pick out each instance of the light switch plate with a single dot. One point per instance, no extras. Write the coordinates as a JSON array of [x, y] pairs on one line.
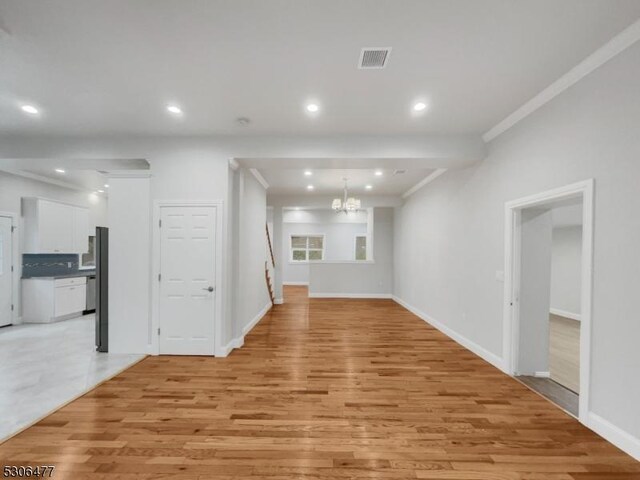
[[500, 275]]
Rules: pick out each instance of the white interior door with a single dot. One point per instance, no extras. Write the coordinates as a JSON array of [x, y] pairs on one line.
[[6, 280], [187, 280]]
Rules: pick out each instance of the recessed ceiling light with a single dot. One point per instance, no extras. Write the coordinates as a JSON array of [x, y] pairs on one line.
[[174, 109], [106, 185], [378, 173], [60, 170], [310, 187], [308, 173], [30, 109], [368, 187], [312, 107], [419, 107], [100, 191]]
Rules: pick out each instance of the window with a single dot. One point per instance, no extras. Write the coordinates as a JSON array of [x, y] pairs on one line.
[[361, 247], [307, 247]]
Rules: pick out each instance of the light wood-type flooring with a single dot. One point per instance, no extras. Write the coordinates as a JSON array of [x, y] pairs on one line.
[[564, 351], [322, 389]]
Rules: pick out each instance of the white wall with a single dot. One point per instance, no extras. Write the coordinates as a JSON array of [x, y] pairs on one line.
[[254, 296], [566, 268], [360, 278], [129, 266], [339, 230], [449, 235]]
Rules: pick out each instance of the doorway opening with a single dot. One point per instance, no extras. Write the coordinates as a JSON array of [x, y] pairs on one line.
[[548, 283]]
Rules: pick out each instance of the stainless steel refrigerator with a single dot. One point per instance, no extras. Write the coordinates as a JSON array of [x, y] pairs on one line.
[[102, 289]]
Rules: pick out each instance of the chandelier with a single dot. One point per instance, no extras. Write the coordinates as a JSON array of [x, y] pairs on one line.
[[346, 204]]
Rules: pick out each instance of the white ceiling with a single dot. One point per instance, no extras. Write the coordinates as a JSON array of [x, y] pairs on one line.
[[112, 66], [330, 181]]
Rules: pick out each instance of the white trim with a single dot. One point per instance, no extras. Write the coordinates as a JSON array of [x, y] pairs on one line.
[[258, 176], [233, 163], [154, 347], [428, 179], [129, 174], [482, 352], [239, 341], [564, 313], [17, 266], [621, 439], [256, 319], [613, 47], [542, 374], [225, 350], [296, 284], [350, 295], [513, 210]]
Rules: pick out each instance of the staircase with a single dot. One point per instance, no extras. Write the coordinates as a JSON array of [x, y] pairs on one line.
[[267, 269]]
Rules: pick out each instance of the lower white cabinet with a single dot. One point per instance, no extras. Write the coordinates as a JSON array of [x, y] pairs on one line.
[[47, 299]]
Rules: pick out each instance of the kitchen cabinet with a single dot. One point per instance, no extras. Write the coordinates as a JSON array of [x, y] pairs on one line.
[[49, 299], [54, 227]]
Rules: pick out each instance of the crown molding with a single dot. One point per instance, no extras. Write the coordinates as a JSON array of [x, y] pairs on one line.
[[259, 177], [613, 47], [428, 179]]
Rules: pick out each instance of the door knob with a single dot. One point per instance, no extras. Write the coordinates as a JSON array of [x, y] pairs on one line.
[[209, 289]]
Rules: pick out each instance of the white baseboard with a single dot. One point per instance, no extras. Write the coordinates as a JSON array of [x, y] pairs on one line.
[[621, 439], [256, 319], [296, 284], [564, 313], [278, 301], [542, 374], [239, 341], [483, 353], [350, 295]]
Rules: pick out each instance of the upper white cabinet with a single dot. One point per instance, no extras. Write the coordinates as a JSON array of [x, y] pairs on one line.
[[54, 227]]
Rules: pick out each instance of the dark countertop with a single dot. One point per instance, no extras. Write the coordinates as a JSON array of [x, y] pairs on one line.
[[79, 273]]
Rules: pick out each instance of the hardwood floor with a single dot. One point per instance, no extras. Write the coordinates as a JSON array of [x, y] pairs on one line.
[[322, 389]]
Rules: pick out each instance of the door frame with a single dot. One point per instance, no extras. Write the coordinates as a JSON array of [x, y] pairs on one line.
[[156, 262], [511, 319], [15, 255]]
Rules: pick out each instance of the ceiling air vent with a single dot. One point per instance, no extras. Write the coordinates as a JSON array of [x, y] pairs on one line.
[[399, 172], [374, 57]]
